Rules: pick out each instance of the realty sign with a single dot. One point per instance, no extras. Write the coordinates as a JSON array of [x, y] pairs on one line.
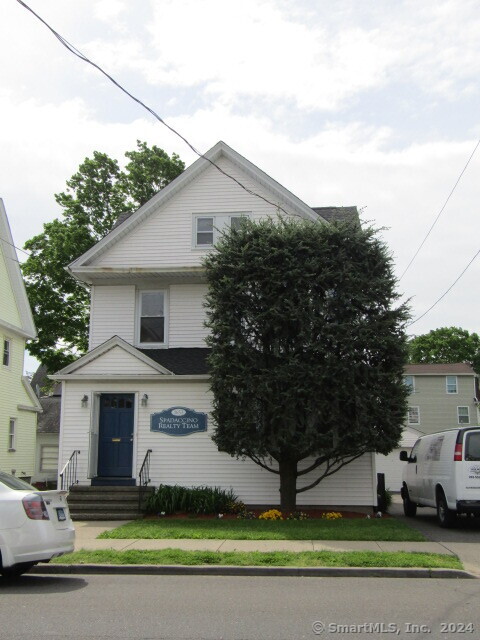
[[178, 421]]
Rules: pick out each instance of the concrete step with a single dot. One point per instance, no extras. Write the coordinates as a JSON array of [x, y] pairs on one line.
[[98, 506], [105, 497], [105, 515], [106, 489]]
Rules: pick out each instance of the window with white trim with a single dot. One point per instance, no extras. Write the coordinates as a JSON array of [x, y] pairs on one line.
[[7, 352], [151, 318], [413, 415], [409, 382], [451, 384], [48, 457], [207, 228], [11, 434], [463, 415]]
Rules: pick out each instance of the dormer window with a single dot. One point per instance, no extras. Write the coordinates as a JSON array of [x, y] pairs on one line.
[[151, 320], [207, 228]]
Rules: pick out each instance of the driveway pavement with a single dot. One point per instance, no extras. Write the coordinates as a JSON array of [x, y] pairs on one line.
[[463, 539]]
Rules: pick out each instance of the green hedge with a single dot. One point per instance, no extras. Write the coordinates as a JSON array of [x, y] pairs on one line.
[[169, 499]]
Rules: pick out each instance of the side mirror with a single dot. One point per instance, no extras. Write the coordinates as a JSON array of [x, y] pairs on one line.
[[404, 456]]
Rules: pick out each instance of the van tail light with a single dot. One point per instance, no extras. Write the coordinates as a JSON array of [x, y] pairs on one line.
[[458, 452], [35, 507]]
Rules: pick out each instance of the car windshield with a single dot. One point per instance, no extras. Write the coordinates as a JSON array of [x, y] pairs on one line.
[[472, 451], [14, 483]]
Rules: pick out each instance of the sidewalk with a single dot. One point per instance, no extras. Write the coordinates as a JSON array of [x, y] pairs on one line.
[[87, 532]]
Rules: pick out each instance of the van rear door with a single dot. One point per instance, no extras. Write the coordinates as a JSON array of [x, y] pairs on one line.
[[469, 477]]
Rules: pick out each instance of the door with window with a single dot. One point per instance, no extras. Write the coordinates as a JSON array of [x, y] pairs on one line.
[[115, 435]]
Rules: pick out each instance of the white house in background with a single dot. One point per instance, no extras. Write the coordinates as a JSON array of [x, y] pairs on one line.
[[442, 396], [18, 403], [144, 385]]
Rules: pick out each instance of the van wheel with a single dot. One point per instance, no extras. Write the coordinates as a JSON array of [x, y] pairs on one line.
[[409, 507], [445, 516]]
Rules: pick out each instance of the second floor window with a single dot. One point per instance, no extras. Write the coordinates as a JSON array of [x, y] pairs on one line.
[[409, 383], [152, 317], [413, 415], [207, 228], [6, 352], [451, 382]]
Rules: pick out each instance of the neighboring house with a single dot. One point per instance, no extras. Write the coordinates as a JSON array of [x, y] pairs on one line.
[[144, 381], [18, 403], [48, 428], [442, 396]]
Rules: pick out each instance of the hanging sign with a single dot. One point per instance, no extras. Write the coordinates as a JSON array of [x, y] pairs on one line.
[[178, 421]]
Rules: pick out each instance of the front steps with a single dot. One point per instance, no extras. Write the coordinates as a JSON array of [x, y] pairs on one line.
[[106, 502]]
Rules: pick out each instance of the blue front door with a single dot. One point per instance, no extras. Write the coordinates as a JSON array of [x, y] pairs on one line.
[[115, 435]]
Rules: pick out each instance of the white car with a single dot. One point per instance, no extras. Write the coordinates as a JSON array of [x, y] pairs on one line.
[[35, 526]]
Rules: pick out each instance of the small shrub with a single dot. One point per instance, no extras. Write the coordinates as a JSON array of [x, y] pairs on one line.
[[331, 515], [247, 515], [297, 515], [236, 507], [272, 514], [388, 500]]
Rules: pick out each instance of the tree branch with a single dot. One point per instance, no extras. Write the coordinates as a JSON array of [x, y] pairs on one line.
[[313, 466], [329, 473], [263, 465]]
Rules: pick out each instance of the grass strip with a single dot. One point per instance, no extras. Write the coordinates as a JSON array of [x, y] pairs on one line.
[[387, 529], [265, 559]]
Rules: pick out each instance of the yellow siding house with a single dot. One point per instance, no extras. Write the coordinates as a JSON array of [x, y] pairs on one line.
[[18, 403]]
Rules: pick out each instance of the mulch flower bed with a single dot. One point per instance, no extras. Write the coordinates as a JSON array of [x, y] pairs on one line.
[[312, 514]]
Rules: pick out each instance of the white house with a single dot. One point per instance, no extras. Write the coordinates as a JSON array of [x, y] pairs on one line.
[[144, 385]]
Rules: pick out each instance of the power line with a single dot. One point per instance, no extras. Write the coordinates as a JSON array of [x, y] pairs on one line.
[[84, 58], [14, 246], [441, 210], [444, 294]]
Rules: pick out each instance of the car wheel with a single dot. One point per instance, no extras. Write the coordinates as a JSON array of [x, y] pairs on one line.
[[16, 570], [446, 517], [409, 507]]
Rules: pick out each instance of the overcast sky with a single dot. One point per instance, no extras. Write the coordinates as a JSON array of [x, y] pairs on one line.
[[373, 103]]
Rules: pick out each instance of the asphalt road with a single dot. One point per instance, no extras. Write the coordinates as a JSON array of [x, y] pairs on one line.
[[206, 607]]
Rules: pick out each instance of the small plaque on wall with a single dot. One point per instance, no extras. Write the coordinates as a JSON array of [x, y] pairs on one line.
[[178, 421]]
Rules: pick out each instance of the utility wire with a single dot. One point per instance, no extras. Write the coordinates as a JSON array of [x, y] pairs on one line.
[[83, 57], [444, 294], [441, 210], [13, 245]]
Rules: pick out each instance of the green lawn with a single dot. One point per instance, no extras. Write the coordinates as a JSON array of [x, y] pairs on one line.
[[344, 529], [260, 558]]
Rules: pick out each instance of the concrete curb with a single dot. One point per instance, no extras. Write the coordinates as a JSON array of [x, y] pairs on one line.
[[226, 570]]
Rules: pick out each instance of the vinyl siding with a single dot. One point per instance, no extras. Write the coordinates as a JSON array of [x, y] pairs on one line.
[[112, 313], [438, 409], [8, 309], [187, 316], [194, 460], [117, 360], [165, 238], [12, 394]]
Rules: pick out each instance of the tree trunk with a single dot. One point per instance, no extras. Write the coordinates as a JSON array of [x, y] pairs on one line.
[[288, 484]]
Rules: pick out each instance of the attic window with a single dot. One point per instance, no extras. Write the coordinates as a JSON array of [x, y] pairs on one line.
[[152, 318], [207, 228]]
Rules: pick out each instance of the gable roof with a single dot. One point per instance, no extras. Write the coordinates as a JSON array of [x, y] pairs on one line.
[[27, 328], [128, 222], [440, 369], [104, 348]]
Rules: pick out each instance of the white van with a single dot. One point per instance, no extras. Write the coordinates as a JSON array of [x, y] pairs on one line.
[[443, 471]]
